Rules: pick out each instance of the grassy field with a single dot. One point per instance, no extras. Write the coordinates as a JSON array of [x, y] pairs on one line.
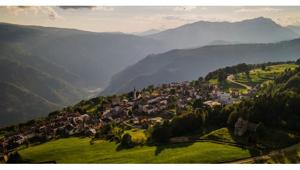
[[258, 76], [228, 86], [222, 134], [79, 150]]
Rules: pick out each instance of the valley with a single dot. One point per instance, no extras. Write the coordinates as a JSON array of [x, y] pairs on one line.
[[209, 120], [60, 66], [149, 85]]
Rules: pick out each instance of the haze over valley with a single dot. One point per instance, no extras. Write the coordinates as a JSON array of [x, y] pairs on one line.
[[57, 67], [104, 84]]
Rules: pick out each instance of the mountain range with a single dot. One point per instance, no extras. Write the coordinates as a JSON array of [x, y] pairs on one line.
[[45, 68], [53, 67], [189, 64], [257, 30]]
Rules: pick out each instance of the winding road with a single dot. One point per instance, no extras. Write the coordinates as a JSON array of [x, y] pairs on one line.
[[230, 78]]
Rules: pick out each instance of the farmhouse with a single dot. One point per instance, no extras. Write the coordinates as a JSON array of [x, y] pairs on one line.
[[242, 126]]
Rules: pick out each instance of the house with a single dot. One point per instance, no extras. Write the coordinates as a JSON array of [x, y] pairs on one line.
[[19, 139], [85, 117], [156, 120], [90, 132], [224, 98], [124, 102], [116, 109], [211, 103], [242, 126], [151, 109], [115, 100], [143, 108], [106, 114], [154, 100]]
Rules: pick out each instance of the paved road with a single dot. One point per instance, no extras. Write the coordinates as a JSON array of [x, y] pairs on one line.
[[231, 79]]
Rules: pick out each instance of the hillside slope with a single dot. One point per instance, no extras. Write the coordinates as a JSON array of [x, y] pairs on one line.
[[93, 57], [61, 66], [180, 65], [19, 104], [29, 91]]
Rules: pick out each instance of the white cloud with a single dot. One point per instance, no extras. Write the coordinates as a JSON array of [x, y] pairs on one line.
[[262, 9], [21, 10]]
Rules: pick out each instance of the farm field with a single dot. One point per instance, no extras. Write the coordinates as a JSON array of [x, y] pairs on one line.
[[79, 150]]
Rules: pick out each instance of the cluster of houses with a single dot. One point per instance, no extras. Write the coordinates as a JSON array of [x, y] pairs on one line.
[[65, 124], [138, 110]]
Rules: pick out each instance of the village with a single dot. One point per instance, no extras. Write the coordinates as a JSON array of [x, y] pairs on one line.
[[137, 109]]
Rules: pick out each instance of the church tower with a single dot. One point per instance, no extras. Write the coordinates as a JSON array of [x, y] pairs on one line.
[[134, 94]]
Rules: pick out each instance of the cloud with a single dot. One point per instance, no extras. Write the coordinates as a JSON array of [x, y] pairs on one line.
[[184, 8], [96, 8], [20, 10], [253, 10]]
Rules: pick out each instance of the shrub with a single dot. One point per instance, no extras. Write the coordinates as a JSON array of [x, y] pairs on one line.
[[126, 140]]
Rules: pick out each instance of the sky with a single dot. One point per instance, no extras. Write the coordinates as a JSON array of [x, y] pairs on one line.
[[139, 19]]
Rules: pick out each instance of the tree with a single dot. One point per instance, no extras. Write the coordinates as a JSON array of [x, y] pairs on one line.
[[298, 61], [198, 103], [173, 91], [161, 133], [222, 76], [126, 140], [14, 158], [247, 72], [200, 79], [150, 88], [186, 123]]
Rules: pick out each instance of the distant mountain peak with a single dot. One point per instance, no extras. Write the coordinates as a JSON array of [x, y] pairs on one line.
[[260, 20], [147, 32]]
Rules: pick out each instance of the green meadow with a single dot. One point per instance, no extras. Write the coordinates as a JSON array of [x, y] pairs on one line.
[[79, 150], [258, 76]]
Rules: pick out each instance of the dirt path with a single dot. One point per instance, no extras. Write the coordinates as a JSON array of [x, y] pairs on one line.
[[267, 156], [231, 79]]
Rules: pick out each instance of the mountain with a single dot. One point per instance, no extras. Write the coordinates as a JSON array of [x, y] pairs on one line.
[[28, 92], [189, 64], [294, 28], [147, 32], [54, 67], [20, 105], [258, 30], [93, 57], [43, 69]]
